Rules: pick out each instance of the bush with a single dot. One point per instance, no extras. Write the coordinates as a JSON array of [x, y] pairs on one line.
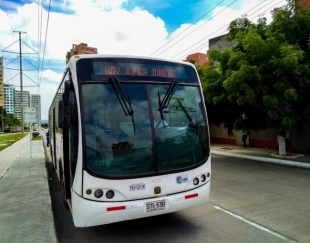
[[35, 134]]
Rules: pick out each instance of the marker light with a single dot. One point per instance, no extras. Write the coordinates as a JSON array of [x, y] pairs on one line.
[[88, 192], [98, 193], [196, 181], [191, 196], [116, 208], [110, 194]]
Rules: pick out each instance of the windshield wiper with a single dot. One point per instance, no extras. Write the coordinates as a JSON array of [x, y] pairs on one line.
[[123, 99], [163, 104]]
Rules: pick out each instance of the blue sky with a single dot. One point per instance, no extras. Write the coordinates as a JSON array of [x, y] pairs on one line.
[[170, 29]]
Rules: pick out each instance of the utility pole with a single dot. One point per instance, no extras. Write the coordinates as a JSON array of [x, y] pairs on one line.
[[21, 81], [21, 75]]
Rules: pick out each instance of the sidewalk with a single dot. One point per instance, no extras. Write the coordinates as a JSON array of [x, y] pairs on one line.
[[263, 155], [25, 203]]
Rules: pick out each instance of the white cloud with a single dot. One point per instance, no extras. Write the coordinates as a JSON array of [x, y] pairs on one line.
[[112, 30]]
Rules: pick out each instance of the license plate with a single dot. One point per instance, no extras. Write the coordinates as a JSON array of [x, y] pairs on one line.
[[155, 205]]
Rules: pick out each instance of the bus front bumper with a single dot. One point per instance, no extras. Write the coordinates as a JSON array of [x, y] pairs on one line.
[[88, 213]]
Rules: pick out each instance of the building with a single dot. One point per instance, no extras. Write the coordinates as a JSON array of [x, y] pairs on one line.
[[304, 3], [220, 43], [9, 96], [200, 59], [1, 83], [35, 102], [79, 50], [20, 99]]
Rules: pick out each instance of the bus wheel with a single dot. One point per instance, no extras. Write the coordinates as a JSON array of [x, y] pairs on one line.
[[63, 188]]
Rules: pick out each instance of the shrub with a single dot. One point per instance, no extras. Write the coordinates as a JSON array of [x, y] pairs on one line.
[[35, 134]]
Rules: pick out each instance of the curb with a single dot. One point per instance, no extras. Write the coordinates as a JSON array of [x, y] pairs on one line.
[[264, 159]]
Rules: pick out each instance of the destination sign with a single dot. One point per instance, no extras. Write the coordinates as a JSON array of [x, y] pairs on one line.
[[138, 69]]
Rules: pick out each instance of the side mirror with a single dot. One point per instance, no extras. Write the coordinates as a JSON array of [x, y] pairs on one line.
[[66, 94], [64, 114]]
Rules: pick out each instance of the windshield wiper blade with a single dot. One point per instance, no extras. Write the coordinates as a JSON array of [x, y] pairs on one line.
[[123, 99], [164, 103]]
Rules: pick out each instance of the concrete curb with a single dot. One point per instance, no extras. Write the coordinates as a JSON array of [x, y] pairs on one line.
[[264, 159]]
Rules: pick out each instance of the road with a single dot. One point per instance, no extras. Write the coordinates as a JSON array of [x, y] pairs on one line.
[[250, 202]]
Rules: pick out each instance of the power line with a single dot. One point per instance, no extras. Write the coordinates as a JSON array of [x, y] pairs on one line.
[[48, 14], [40, 29], [188, 27], [7, 16], [206, 43], [40, 11], [201, 46], [198, 27], [260, 13]]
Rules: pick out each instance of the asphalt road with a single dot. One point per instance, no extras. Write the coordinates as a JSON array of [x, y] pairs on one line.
[[250, 202]]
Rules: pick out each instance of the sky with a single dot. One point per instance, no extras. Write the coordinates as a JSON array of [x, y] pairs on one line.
[[47, 29]]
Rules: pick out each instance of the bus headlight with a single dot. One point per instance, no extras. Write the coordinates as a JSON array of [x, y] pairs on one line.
[[203, 178], [109, 194], [98, 193], [196, 181]]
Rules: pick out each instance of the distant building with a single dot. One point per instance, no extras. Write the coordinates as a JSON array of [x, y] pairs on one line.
[[35, 102], [9, 96], [304, 3], [220, 43], [1, 83], [79, 50], [19, 99], [200, 59]]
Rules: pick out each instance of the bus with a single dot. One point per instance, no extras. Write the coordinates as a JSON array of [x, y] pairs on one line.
[[129, 138]]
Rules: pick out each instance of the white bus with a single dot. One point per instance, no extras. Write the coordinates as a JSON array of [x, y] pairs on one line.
[[129, 138]]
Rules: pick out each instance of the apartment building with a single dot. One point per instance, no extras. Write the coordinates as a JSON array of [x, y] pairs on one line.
[[21, 98], [35, 102], [80, 49], [9, 95]]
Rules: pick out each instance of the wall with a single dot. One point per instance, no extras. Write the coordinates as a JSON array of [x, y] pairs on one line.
[[219, 135], [300, 140]]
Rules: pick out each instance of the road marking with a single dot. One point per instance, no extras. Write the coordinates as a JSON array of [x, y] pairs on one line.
[[254, 224]]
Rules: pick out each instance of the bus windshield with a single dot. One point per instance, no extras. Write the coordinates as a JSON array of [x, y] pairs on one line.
[[150, 138]]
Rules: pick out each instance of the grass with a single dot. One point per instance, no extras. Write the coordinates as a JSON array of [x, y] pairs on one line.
[[8, 139]]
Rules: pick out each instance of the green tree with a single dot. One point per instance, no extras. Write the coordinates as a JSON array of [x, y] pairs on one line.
[[8, 119], [263, 81]]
